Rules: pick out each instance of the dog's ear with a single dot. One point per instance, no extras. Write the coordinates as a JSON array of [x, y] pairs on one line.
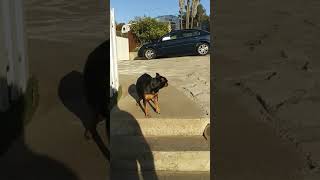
[[157, 75]]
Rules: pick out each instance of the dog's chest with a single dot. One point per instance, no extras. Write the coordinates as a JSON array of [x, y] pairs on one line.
[[149, 96]]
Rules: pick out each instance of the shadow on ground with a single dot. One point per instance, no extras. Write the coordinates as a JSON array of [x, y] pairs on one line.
[[17, 161], [146, 161], [71, 93], [85, 94], [133, 93]]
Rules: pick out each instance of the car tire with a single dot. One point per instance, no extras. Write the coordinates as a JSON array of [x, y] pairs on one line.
[[203, 49], [149, 53]]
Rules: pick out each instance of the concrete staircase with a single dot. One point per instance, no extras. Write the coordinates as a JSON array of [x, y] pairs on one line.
[[169, 145]]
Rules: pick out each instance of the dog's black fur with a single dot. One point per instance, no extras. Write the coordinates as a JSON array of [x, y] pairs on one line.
[[146, 85]]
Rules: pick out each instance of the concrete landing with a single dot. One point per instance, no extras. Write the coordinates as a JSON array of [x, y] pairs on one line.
[[179, 115], [173, 103]]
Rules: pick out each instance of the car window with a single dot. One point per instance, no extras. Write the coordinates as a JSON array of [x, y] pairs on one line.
[[190, 33], [187, 34], [196, 33], [171, 36]]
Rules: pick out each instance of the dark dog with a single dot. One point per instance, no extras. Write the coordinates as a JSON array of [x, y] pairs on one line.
[[148, 89]]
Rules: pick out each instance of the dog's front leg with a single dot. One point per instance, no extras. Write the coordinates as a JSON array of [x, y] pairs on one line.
[[146, 111], [156, 102]]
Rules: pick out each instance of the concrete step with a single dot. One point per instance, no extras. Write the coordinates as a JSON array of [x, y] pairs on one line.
[[158, 127], [159, 175], [179, 116], [190, 153]]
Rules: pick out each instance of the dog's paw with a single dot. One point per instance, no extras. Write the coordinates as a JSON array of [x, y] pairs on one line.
[[148, 116]]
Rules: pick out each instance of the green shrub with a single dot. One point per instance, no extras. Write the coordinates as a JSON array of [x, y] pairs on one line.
[[147, 29]]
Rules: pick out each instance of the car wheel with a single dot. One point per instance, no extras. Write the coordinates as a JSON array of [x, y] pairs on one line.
[[149, 53], [203, 49]]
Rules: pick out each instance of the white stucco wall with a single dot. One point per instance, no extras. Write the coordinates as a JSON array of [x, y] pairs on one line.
[[122, 48]]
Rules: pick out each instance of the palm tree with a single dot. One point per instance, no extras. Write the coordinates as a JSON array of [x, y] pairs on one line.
[[201, 15], [188, 14], [194, 6], [181, 6]]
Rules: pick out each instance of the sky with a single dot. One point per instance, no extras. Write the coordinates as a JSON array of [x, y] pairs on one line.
[[126, 10]]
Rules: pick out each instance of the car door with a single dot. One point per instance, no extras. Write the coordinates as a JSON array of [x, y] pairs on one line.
[[170, 44], [190, 40]]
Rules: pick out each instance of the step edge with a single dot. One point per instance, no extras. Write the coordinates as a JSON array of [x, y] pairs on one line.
[[168, 118]]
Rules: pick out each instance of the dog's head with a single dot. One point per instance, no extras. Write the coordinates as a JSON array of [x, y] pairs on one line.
[[159, 82]]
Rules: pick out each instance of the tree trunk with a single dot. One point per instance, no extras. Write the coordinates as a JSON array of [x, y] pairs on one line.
[[180, 25], [188, 14], [191, 22], [194, 10], [181, 6]]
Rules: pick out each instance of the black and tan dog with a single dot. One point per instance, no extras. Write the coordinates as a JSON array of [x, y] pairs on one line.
[[148, 89]]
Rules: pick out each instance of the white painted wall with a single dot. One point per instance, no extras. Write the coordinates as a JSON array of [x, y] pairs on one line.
[[114, 77], [122, 48], [13, 62]]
